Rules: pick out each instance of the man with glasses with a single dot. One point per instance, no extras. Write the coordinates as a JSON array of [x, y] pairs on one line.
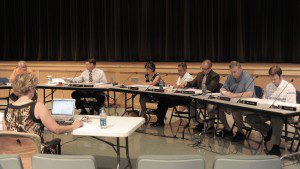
[[282, 91], [209, 79]]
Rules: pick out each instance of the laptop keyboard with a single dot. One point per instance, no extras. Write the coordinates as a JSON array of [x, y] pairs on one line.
[[64, 123]]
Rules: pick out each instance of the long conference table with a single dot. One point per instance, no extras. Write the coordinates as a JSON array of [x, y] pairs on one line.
[[197, 97]]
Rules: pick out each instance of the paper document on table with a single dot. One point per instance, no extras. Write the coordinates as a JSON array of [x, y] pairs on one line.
[[58, 80]]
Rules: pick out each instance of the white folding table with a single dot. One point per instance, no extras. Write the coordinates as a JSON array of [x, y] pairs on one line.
[[117, 127]]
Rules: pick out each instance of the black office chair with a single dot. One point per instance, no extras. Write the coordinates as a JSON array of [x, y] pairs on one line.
[[14, 97], [150, 111], [90, 104], [259, 92], [296, 126], [181, 115], [4, 81]]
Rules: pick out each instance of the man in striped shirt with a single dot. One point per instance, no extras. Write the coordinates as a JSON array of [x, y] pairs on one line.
[[285, 92]]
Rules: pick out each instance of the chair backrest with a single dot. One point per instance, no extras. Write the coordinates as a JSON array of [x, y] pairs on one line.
[[23, 144], [171, 162], [47, 161], [219, 86], [10, 162], [247, 162], [298, 97], [259, 92], [4, 80]]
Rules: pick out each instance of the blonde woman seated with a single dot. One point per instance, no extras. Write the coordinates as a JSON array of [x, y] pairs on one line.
[[25, 115]]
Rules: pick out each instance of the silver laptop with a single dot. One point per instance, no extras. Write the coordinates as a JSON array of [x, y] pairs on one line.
[[63, 110]]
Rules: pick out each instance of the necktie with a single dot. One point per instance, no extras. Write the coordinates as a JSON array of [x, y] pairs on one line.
[[90, 77], [204, 80]]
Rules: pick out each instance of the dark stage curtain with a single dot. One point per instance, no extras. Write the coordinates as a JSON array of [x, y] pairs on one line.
[[158, 30]]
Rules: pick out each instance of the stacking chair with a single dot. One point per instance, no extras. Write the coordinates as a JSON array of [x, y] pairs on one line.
[[10, 162], [26, 144], [45, 161], [23, 144], [171, 162], [247, 162]]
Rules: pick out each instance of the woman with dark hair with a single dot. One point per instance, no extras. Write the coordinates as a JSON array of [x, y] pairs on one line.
[[151, 78]]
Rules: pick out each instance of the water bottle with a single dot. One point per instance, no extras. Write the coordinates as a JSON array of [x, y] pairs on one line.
[[49, 79], [103, 123], [204, 90], [161, 85]]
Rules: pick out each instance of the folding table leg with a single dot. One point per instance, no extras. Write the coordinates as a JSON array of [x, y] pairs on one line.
[[127, 154], [118, 153], [286, 135]]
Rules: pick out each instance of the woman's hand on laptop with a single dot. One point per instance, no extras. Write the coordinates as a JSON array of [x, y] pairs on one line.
[[77, 124]]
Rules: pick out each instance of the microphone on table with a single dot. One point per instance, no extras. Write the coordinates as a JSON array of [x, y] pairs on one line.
[[122, 85], [247, 87], [281, 92], [74, 76]]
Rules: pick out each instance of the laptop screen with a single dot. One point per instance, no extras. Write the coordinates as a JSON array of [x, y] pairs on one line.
[[63, 107]]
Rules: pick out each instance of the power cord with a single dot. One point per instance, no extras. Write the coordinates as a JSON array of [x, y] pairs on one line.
[[72, 140]]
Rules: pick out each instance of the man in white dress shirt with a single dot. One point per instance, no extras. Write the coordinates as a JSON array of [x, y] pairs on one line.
[[184, 76], [273, 90], [90, 75], [165, 103]]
